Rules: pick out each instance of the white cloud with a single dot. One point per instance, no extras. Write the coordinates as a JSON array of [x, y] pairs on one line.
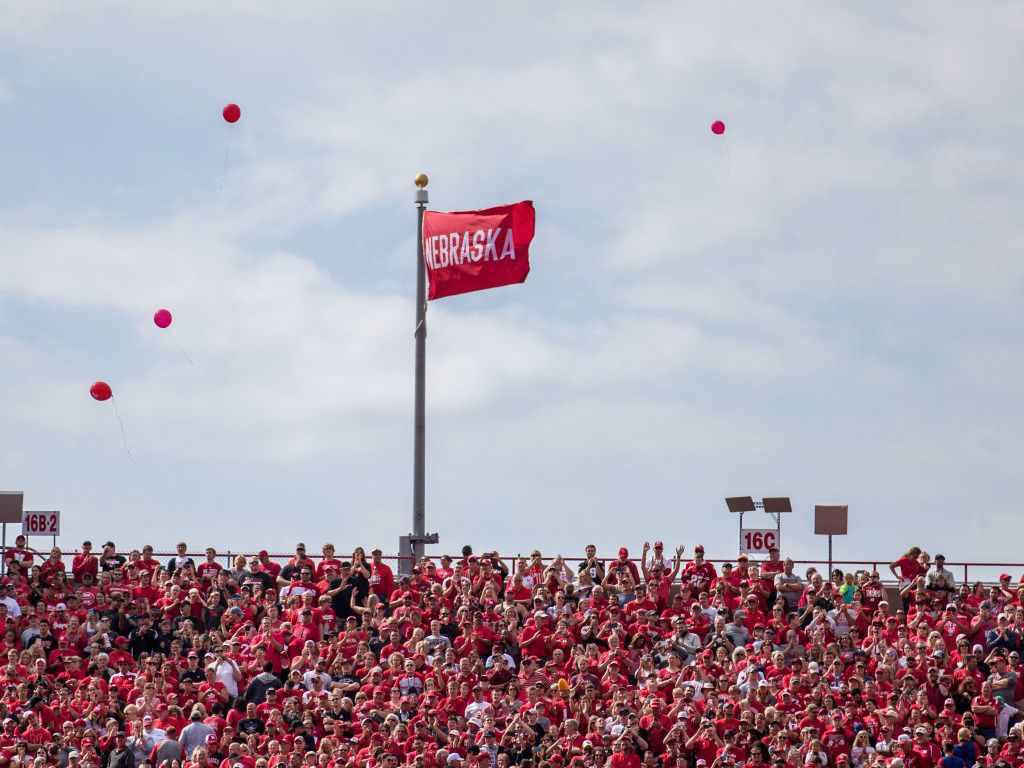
[[825, 308]]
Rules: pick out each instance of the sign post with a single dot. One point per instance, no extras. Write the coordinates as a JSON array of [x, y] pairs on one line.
[[11, 506], [830, 520], [758, 541]]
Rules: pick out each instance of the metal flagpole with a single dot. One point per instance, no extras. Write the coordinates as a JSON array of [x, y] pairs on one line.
[[410, 548], [419, 520]]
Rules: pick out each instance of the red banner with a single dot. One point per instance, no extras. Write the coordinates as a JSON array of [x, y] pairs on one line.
[[474, 250]]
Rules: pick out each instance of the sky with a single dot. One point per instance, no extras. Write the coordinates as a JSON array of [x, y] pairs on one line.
[[823, 303]]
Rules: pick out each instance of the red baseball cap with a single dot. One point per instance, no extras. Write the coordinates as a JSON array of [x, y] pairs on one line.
[[658, 545], [623, 552], [263, 553]]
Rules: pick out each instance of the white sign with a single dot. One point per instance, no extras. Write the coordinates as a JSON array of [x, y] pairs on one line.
[[757, 541], [40, 523]]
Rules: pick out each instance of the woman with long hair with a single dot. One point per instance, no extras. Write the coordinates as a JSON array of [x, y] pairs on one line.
[[908, 565]]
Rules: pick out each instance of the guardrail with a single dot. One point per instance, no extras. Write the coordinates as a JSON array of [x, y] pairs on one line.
[[966, 572]]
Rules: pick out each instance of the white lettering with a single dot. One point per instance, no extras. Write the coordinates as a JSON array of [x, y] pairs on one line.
[[464, 250], [509, 249], [428, 251], [478, 245], [491, 247], [453, 248], [443, 249]]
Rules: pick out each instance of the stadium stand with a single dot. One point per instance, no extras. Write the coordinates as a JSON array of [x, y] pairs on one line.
[[125, 660]]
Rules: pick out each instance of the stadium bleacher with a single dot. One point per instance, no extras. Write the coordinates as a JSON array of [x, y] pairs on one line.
[[124, 659]]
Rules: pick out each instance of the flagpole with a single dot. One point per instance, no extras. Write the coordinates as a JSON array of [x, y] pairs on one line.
[[419, 528]]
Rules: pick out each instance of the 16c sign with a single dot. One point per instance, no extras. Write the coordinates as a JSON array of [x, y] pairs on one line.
[[757, 541], [40, 523]]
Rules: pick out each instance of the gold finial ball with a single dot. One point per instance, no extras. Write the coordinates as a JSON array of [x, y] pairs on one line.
[[421, 180]]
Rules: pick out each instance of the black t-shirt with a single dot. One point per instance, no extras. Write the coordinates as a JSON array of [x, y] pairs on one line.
[[342, 602], [213, 614], [288, 570], [49, 642], [250, 725], [144, 640], [112, 562], [262, 578], [346, 680]]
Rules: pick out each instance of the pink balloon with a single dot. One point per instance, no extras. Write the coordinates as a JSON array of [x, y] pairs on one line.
[[162, 318], [718, 127]]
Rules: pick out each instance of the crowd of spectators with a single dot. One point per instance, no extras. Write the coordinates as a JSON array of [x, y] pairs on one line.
[[125, 661]]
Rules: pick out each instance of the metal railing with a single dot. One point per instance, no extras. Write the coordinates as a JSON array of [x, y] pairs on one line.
[[966, 572]]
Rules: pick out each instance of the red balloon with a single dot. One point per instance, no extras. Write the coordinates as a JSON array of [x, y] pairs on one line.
[[162, 318], [718, 127], [101, 391], [232, 112]]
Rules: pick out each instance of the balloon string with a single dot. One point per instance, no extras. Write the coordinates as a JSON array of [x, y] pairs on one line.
[[123, 438], [728, 157], [224, 170], [179, 347]]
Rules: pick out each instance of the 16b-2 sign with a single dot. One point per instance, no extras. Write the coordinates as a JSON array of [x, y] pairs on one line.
[[40, 523], [757, 541]]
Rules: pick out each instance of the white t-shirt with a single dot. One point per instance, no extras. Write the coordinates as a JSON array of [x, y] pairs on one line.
[[224, 672]]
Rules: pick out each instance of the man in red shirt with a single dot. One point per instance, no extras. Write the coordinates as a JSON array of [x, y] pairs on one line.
[[268, 565], [381, 576], [698, 573], [19, 557], [34, 732], [207, 570], [623, 752], [623, 563], [84, 562], [536, 640], [212, 691], [986, 708], [926, 752]]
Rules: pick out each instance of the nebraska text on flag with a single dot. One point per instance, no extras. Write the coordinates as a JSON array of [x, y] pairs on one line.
[[473, 250]]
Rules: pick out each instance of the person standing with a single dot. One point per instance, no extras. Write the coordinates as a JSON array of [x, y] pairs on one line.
[[120, 755], [194, 734], [382, 578]]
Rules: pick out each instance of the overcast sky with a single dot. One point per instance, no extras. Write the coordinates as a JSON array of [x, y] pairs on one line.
[[824, 303]]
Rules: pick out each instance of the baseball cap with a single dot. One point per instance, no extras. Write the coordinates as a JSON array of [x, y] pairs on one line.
[[623, 552], [147, 719], [658, 545], [1004, 577]]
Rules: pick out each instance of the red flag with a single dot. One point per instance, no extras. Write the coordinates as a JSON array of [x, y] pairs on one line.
[[474, 250]]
